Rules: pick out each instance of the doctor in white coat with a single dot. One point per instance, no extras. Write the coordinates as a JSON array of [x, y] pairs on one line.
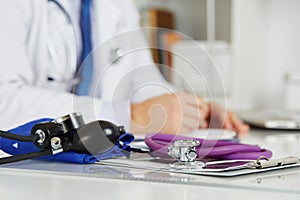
[[39, 53]]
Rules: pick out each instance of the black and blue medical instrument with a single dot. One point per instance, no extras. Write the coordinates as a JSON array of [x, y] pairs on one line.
[[67, 133]]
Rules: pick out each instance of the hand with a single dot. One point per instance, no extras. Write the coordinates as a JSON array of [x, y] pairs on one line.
[[234, 123], [170, 113], [220, 118]]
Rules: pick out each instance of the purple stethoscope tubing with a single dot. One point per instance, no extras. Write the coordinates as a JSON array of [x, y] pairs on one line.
[[216, 149]]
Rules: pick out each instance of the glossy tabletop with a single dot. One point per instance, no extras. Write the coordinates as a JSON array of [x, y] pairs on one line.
[[51, 180]]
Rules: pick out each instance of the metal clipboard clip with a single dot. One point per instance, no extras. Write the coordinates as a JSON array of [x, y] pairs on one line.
[[263, 162], [185, 152]]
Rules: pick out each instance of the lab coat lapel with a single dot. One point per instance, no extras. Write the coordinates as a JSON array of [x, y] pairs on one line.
[[105, 22]]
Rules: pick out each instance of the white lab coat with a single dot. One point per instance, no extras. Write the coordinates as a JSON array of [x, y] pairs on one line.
[[26, 93]]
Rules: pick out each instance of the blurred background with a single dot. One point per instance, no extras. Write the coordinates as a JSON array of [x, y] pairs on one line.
[[255, 45]]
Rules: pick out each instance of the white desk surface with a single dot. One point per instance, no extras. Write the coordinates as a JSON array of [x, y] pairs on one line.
[[51, 180]]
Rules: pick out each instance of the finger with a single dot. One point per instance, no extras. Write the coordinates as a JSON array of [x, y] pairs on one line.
[[196, 117], [185, 130], [200, 104], [194, 101], [228, 121], [194, 123], [242, 129], [245, 128], [205, 110], [191, 123], [194, 113], [218, 117], [236, 120], [203, 124], [191, 99], [228, 124], [239, 125]]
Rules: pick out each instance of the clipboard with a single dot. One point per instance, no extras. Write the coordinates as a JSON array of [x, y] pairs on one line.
[[147, 162]]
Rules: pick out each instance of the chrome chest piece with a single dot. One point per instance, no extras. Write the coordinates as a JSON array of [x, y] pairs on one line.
[[185, 152], [70, 121]]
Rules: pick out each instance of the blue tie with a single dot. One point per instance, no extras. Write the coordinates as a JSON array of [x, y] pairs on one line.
[[86, 68]]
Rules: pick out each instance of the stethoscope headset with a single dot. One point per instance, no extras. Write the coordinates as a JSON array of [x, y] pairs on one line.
[[115, 51], [67, 133], [71, 43]]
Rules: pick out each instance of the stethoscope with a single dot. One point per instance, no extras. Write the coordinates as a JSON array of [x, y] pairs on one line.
[[115, 52], [71, 43]]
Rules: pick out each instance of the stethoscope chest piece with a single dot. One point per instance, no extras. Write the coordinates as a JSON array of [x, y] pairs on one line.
[[116, 53], [185, 152]]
